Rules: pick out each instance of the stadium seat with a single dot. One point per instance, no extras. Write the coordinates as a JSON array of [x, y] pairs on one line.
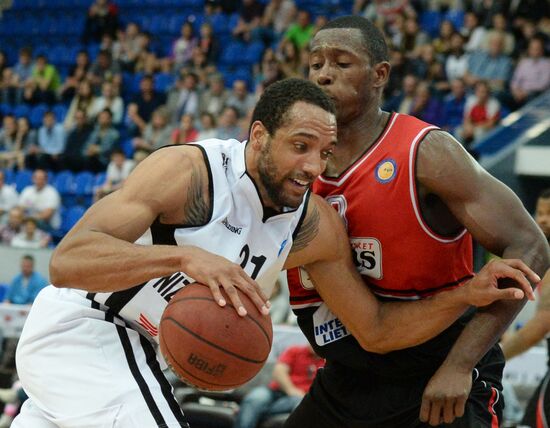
[[430, 21], [70, 216], [9, 176], [23, 178], [64, 183], [22, 110], [100, 179], [3, 291], [163, 81], [83, 188], [36, 115], [60, 112], [456, 17]]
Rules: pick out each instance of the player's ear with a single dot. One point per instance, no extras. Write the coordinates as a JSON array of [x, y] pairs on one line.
[[382, 73], [258, 135]]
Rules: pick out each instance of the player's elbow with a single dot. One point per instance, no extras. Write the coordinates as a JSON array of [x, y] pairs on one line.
[[58, 271], [374, 343]]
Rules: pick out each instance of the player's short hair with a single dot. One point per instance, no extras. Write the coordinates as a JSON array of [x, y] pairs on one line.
[[373, 39], [545, 194], [279, 97]]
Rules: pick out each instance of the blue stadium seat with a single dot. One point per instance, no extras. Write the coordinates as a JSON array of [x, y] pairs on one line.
[[253, 53], [100, 179], [456, 17], [5, 109], [60, 112], [430, 21], [128, 148], [36, 115], [233, 53], [64, 183], [70, 216], [22, 110], [163, 81], [3, 291], [23, 178], [83, 188]]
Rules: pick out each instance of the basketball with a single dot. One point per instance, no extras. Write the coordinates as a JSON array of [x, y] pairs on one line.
[[212, 347]]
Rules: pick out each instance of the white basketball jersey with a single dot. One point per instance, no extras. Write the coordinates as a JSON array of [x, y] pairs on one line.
[[238, 229]]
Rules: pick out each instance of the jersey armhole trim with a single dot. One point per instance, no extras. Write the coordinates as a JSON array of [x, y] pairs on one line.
[[414, 193]]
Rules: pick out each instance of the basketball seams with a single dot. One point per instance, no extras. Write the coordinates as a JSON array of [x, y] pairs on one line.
[[212, 344], [229, 305]]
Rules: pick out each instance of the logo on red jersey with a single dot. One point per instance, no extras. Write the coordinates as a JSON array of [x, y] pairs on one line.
[[367, 255], [386, 171]]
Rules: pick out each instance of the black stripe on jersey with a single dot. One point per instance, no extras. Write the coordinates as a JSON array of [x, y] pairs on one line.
[[302, 298], [143, 387], [302, 217], [152, 362], [421, 293], [117, 300]]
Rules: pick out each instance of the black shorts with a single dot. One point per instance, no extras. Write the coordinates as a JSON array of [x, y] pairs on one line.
[[537, 412], [345, 398]]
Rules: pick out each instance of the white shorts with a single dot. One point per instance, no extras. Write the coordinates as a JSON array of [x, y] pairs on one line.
[[84, 368]]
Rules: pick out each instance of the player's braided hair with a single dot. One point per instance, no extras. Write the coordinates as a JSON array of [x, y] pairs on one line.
[[280, 96], [373, 39]]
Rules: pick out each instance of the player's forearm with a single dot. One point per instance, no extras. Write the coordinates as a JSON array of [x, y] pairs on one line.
[[488, 325], [97, 262], [396, 317]]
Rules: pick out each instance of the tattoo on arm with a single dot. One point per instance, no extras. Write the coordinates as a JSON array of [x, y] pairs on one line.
[[309, 229], [197, 208]]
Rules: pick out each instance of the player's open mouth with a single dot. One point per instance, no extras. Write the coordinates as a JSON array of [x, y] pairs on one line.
[[301, 183]]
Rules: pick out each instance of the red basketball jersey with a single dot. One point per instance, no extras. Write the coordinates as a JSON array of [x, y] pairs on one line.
[[396, 252]]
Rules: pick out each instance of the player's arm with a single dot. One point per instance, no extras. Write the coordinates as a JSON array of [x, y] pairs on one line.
[[322, 247], [498, 221], [535, 329], [99, 255]]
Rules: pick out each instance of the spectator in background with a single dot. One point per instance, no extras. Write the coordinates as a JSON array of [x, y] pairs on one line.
[[44, 82], [101, 142], [481, 113], [214, 98], [292, 377], [104, 69], [453, 106], [108, 99], [269, 70], [22, 73], [492, 66], [400, 67], [186, 132], [208, 127], [102, 19], [25, 286], [184, 97], [473, 32], [532, 74], [442, 43], [402, 101], [51, 143], [83, 100], [278, 16], [73, 158], [300, 32], [289, 60], [182, 49], [30, 236], [250, 18], [8, 141], [425, 106], [13, 226], [41, 201], [12, 398], [25, 139], [240, 98], [143, 105], [456, 62], [77, 73], [228, 125], [500, 27], [208, 44], [412, 38], [157, 133], [8, 198], [118, 170]]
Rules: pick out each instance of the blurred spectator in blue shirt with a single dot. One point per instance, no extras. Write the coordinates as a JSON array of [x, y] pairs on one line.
[[26, 285], [453, 106], [51, 144], [492, 65]]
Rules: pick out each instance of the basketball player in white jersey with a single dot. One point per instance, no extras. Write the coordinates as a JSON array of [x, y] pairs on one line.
[[222, 213]]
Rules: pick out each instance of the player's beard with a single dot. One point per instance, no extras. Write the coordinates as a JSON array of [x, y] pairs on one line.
[[272, 180]]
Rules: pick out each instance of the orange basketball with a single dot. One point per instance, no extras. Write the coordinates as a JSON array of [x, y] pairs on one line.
[[211, 347]]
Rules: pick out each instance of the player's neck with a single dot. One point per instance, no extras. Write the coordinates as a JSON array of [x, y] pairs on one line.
[[355, 137]]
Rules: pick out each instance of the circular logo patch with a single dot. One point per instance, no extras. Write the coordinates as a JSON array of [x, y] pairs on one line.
[[386, 170]]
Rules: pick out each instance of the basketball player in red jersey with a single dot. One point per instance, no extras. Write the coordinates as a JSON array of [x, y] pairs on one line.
[[410, 196]]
